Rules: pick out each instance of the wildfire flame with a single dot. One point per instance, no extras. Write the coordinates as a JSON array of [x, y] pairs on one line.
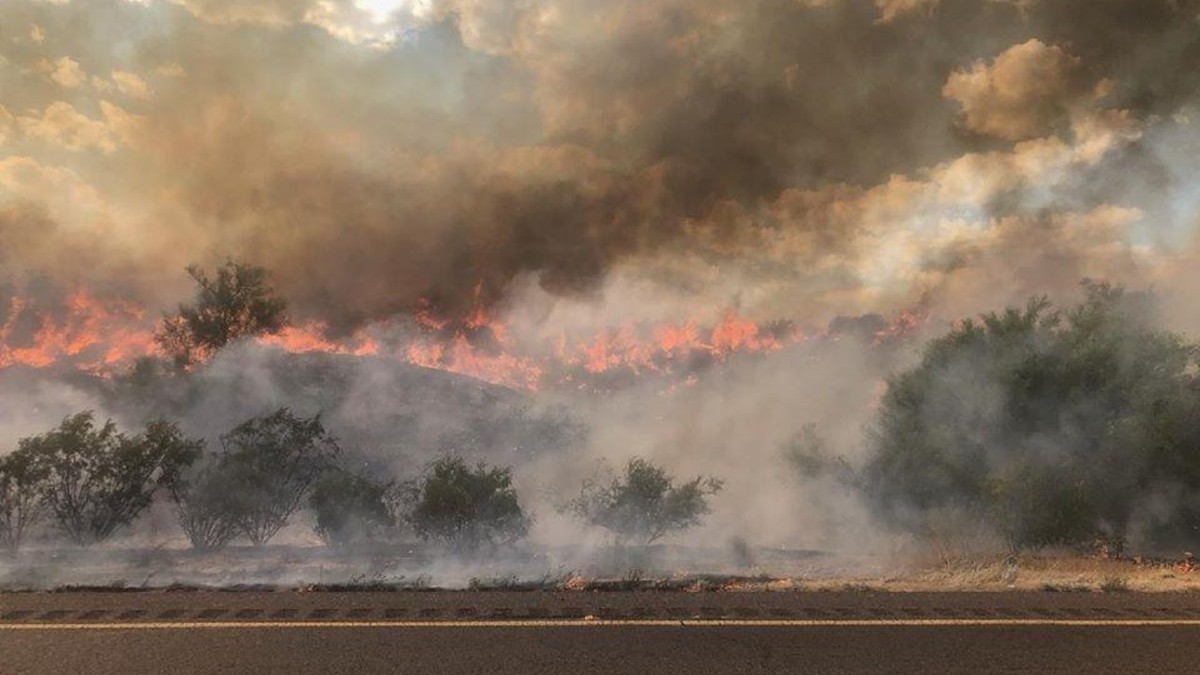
[[311, 337], [103, 336], [90, 334]]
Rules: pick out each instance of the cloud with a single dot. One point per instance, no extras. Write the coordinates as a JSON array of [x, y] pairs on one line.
[[356, 21], [7, 122], [890, 9], [65, 71], [1024, 92], [271, 12], [28, 180], [61, 124], [129, 84]]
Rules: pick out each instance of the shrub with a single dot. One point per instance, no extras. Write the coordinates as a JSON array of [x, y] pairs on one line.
[[96, 479], [238, 303], [644, 503], [203, 504], [467, 507], [21, 483], [269, 465], [1052, 427], [349, 506]]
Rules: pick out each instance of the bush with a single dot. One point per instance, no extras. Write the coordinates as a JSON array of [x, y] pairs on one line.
[[21, 483], [97, 479], [349, 506], [1052, 427], [644, 503], [238, 303], [467, 507], [206, 512], [269, 465]]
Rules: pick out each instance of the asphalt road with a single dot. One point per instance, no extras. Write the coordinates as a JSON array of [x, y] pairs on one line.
[[527, 633]]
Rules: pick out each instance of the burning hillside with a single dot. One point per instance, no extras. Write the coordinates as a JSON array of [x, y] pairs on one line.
[[108, 337], [84, 332]]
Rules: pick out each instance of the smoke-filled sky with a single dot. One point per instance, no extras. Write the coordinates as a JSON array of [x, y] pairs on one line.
[[576, 160]]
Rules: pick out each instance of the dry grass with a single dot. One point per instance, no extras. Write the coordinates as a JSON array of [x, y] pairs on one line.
[[1047, 573], [682, 570]]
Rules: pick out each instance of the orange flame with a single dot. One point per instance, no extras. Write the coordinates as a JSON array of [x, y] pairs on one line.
[[460, 357], [311, 337], [735, 334], [89, 334], [907, 323], [101, 336]]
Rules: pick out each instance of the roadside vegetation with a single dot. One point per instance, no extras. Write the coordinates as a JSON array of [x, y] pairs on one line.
[[644, 503], [1049, 427], [89, 480], [467, 507]]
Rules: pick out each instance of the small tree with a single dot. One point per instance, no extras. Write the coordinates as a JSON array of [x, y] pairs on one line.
[[239, 302], [349, 506], [97, 479], [269, 465], [203, 503], [644, 503], [467, 507], [21, 483]]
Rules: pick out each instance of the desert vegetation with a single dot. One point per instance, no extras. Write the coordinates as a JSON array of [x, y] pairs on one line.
[[351, 506], [644, 503], [91, 478], [1049, 427], [467, 507], [237, 302]]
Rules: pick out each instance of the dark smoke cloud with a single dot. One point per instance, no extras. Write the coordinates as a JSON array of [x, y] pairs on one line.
[[486, 141]]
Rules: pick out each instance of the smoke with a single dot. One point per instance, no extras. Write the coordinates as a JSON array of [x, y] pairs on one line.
[[568, 171], [465, 145]]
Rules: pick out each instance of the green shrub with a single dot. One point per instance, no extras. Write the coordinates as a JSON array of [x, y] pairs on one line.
[[467, 507], [96, 479], [644, 503], [202, 501], [22, 481], [349, 507], [238, 302], [269, 465], [1052, 427]]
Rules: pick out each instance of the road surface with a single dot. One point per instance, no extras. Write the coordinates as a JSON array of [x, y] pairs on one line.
[[618, 632]]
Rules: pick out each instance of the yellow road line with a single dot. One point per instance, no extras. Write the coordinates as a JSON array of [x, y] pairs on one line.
[[598, 623]]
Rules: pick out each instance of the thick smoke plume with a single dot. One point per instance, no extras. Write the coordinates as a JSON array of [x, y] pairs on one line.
[[376, 157]]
